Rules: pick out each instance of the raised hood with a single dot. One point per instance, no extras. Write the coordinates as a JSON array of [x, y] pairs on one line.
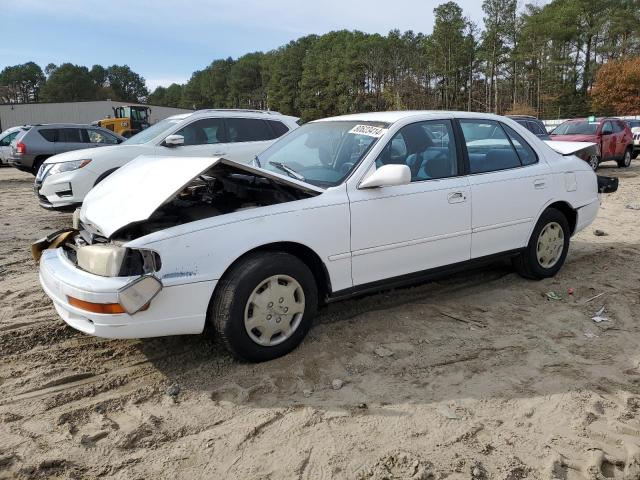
[[133, 192], [569, 148]]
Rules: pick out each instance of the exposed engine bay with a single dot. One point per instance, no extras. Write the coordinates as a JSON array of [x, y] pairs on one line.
[[221, 190], [224, 188]]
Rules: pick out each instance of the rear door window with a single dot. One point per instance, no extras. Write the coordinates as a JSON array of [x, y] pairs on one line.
[[523, 149], [488, 147], [248, 130], [49, 134], [69, 135]]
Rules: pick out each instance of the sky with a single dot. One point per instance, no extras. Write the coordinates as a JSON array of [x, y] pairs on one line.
[[165, 41]]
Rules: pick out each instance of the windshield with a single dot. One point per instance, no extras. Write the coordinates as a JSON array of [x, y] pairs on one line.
[[322, 153], [576, 128], [153, 131]]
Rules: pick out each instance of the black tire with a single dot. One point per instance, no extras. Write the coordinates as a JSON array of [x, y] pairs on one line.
[[594, 162], [37, 163], [227, 307], [527, 263], [626, 159]]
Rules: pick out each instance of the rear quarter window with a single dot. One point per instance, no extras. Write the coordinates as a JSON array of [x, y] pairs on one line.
[[49, 134], [278, 128]]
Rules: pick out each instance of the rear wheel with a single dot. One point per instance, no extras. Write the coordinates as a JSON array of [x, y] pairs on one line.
[[547, 249], [626, 160], [263, 307]]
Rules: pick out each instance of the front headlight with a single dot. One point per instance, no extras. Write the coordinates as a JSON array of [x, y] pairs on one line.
[[109, 260], [68, 166]]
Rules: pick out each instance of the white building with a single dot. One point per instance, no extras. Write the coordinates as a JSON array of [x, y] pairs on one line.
[[13, 114]]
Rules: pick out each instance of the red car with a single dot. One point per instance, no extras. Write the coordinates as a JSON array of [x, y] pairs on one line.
[[612, 135]]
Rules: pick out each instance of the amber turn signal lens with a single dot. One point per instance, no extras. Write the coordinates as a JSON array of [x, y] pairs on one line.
[[109, 308]]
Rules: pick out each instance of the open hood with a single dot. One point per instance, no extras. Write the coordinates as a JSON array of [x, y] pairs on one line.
[[569, 148], [133, 192]]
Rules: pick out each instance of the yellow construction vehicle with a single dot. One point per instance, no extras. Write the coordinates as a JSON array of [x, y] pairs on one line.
[[127, 120]]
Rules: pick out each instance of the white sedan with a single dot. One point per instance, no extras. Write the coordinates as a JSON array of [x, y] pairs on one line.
[[337, 207]]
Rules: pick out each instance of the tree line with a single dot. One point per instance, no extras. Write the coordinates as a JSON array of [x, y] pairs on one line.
[[70, 83], [539, 60]]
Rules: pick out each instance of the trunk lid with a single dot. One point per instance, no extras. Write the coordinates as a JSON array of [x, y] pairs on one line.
[[133, 192], [570, 148]]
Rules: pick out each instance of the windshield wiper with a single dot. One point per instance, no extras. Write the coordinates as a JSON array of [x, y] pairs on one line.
[[257, 161], [290, 171]]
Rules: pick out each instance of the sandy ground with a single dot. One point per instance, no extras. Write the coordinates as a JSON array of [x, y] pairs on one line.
[[518, 386]]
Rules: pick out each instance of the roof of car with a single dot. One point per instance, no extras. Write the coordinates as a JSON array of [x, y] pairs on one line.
[[394, 116], [62, 125], [234, 112]]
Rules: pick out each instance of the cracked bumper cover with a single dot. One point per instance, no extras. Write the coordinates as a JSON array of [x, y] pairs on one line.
[[175, 310]]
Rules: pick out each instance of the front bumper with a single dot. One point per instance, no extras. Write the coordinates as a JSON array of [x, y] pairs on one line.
[[64, 191], [176, 310]]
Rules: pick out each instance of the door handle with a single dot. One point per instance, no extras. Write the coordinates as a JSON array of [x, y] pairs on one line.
[[456, 197], [218, 154], [539, 183]]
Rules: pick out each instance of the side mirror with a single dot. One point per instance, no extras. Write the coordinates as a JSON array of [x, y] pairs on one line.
[[174, 141], [388, 176]]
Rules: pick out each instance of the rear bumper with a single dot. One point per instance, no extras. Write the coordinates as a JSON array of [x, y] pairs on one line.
[[176, 310], [586, 215]]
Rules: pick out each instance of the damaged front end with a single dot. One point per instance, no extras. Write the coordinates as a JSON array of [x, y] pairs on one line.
[[149, 195], [221, 190]]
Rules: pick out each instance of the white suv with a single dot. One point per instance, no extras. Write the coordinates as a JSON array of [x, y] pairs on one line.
[[63, 180]]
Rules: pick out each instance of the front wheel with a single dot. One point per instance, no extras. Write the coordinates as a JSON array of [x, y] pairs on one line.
[[626, 160], [547, 249], [263, 307], [594, 162]]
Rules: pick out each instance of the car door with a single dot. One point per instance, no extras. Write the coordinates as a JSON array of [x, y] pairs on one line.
[[509, 186], [426, 224], [619, 131], [98, 138], [69, 138], [202, 138], [247, 138], [608, 146]]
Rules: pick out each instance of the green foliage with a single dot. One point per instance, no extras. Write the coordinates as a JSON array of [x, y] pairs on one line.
[[21, 83], [541, 59], [69, 83]]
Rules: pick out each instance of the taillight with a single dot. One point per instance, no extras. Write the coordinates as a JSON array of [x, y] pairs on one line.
[[21, 148]]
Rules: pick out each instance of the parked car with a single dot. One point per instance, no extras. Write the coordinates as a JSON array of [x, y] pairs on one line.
[[532, 124], [239, 135], [31, 147], [634, 125], [338, 207], [612, 135], [6, 138]]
